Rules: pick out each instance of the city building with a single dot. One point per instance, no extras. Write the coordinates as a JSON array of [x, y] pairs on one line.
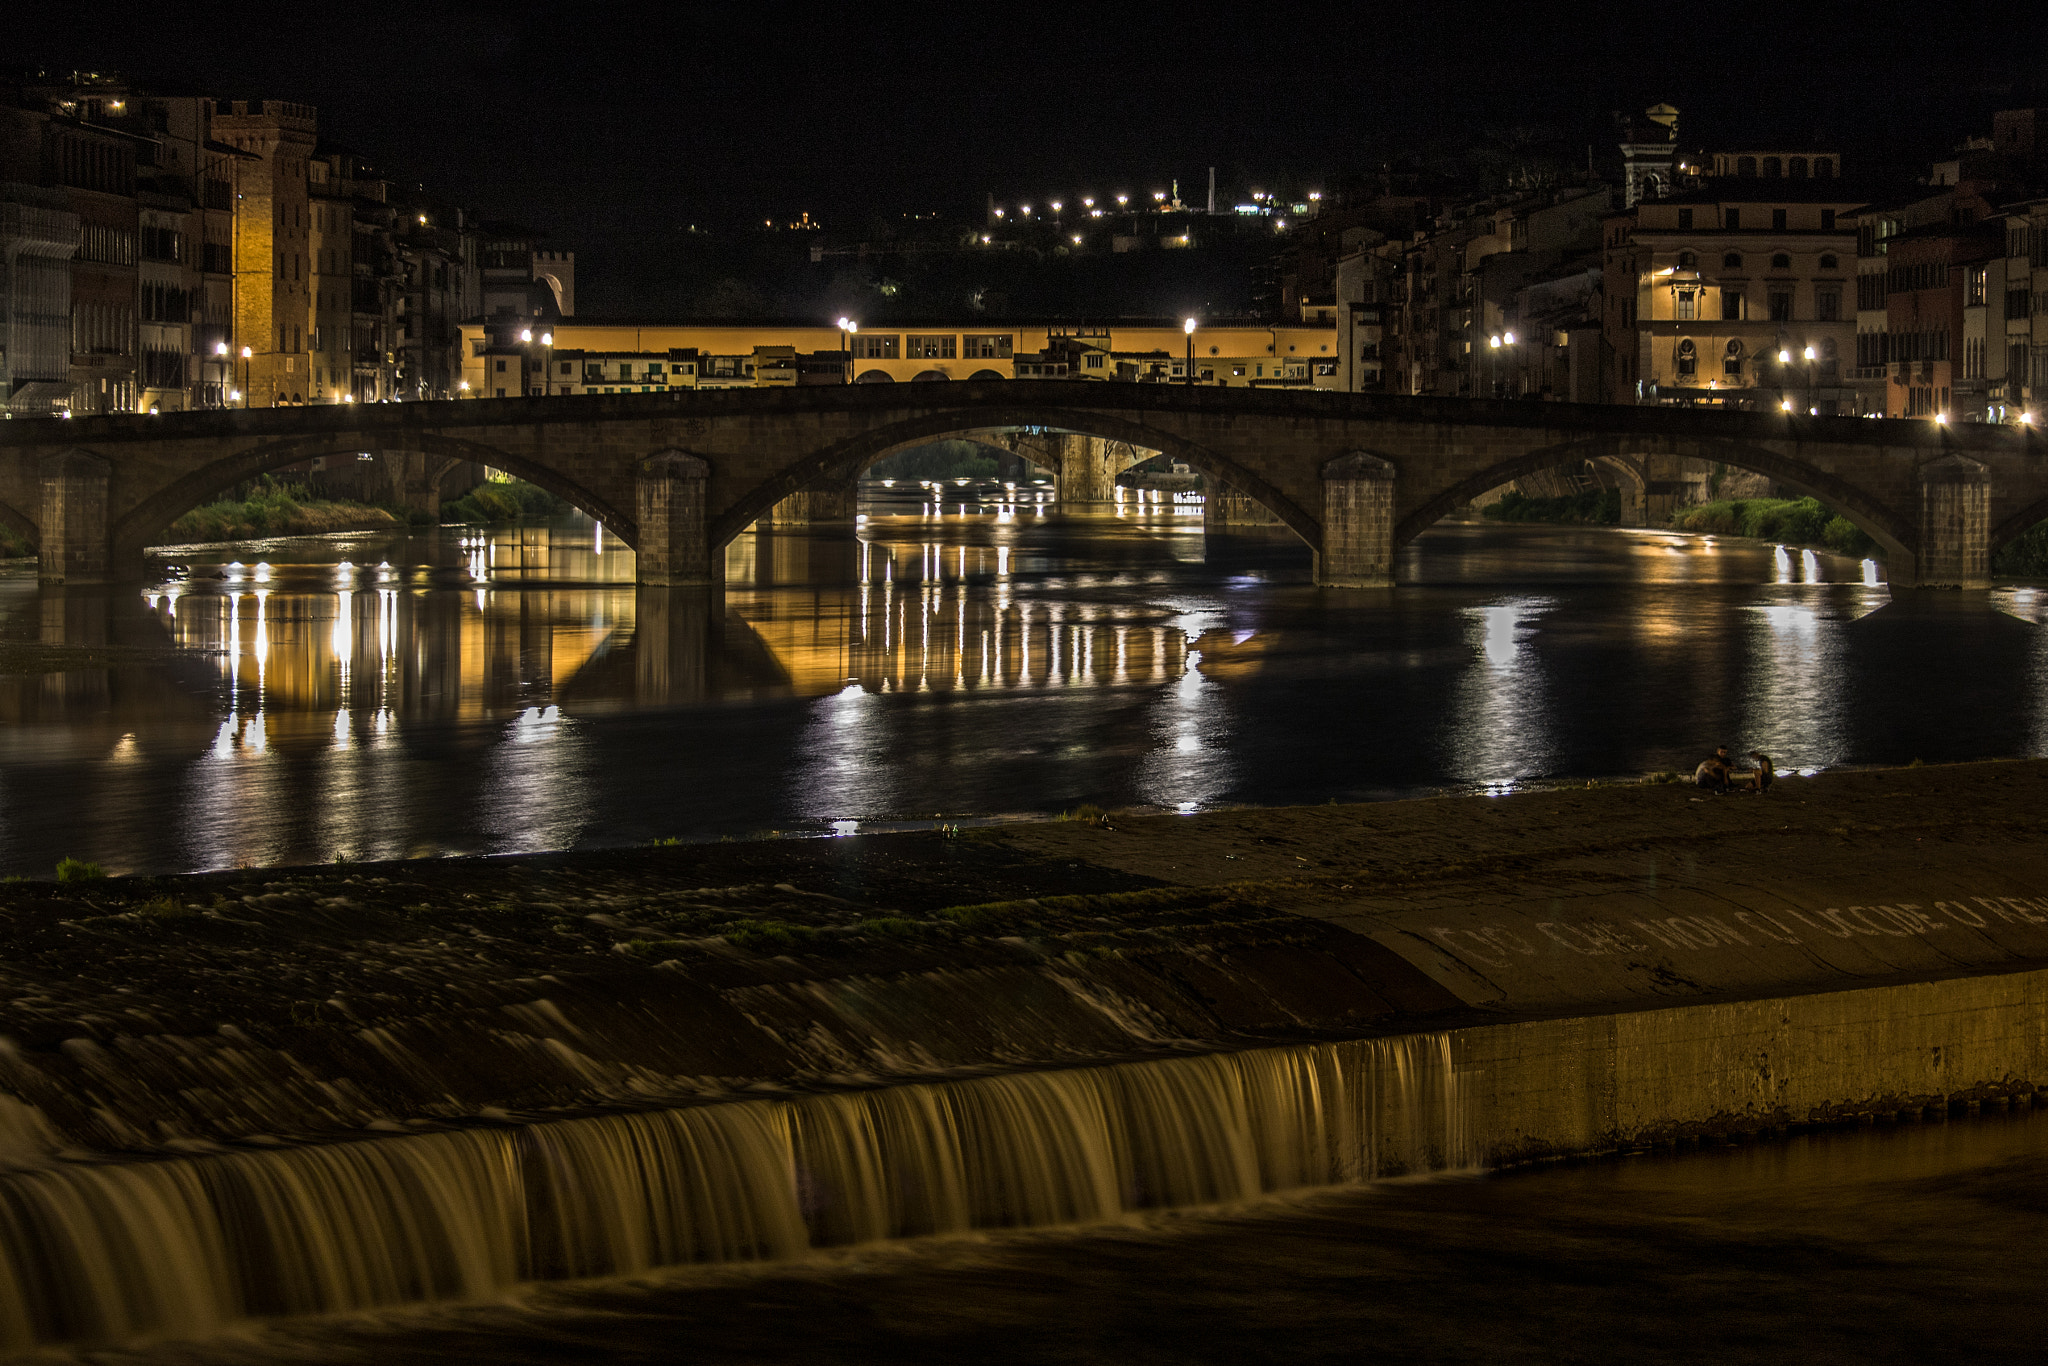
[[273, 269], [508, 355], [1736, 294]]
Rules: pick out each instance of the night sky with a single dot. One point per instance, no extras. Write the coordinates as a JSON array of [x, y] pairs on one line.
[[612, 126]]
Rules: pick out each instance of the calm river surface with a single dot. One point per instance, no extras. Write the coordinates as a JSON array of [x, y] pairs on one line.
[[381, 696]]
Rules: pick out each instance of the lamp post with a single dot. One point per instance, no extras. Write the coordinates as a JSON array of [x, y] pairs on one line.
[[547, 367], [247, 354], [847, 328], [220, 357], [1189, 328]]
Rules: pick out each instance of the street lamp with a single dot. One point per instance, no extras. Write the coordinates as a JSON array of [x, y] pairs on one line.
[[547, 369], [220, 355], [246, 355], [847, 327], [1189, 328]]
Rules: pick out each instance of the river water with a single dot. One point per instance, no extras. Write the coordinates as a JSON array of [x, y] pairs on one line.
[[1910, 1242], [463, 691]]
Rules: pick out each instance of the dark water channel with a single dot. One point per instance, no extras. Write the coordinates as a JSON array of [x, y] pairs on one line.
[[381, 696], [1915, 1242]]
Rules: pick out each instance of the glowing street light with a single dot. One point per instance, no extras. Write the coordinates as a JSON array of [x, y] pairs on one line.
[[247, 354], [1189, 328], [1123, 199], [847, 328]]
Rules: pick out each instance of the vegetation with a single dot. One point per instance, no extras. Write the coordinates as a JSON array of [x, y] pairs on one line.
[[2026, 556], [14, 545], [1594, 507], [267, 507], [78, 870], [938, 460], [1799, 521], [504, 501]]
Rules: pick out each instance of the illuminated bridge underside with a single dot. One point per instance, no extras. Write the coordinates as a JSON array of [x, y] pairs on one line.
[[1356, 476]]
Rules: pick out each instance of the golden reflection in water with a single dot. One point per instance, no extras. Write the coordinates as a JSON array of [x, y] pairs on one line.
[[1501, 733]]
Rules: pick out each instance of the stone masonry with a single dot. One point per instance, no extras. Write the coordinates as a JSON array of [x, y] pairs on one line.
[[1939, 499]]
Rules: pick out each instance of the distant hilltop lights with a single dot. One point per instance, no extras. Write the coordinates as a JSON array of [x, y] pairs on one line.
[[1261, 204]]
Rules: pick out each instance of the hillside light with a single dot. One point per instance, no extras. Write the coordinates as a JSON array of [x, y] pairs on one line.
[[999, 213], [1057, 206], [1024, 209], [1077, 239], [1087, 203], [1123, 199]]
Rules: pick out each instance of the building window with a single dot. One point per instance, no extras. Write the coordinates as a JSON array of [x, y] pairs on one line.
[[1830, 360], [1688, 359], [1823, 168], [930, 348], [878, 346], [1744, 166], [990, 347], [1688, 260], [1827, 220], [1796, 168], [501, 369], [1975, 296], [1731, 303], [1781, 305], [1688, 306], [1828, 262], [1772, 170], [1732, 261], [1827, 304], [1778, 220], [1685, 220], [1733, 217], [1782, 261], [1731, 361]]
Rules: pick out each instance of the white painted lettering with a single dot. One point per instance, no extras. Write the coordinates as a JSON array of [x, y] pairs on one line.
[[1961, 914], [1559, 934], [1782, 935]]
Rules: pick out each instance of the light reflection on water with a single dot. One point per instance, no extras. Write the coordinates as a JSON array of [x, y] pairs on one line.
[[391, 696]]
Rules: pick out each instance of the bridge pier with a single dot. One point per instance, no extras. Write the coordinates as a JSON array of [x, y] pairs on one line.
[[75, 546], [1955, 525], [1224, 507], [1088, 469], [1358, 523], [675, 544], [414, 486], [829, 500]]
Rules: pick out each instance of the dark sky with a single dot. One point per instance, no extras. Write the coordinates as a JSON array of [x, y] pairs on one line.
[[612, 124]]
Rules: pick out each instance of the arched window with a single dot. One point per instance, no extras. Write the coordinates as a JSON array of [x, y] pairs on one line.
[[1732, 261], [1828, 262], [1796, 168], [1731, 360], [1771, 168], [1688, 359], [1823, 168], [1688, 260], [1745, 166], [1781, 261]]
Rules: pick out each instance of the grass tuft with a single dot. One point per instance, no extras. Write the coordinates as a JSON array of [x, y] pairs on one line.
[[78, 870]]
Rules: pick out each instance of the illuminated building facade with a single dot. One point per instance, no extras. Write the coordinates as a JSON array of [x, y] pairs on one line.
[[272, 245], [589, 357], [1738, 294]]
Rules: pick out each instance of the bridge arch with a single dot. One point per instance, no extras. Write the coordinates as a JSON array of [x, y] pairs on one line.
[[21, 525], [1866, 512], [139, 527], [848, 457], [2017, 525]]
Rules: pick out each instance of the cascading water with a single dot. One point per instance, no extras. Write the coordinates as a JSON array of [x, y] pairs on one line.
[[98, 1251]]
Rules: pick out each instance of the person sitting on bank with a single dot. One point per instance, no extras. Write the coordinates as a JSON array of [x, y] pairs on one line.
[[1764, 774], [1712, 773]]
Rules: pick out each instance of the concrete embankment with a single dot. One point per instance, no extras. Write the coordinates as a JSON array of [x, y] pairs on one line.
[[1611, 966]]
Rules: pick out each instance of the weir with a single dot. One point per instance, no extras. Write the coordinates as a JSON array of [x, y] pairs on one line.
[[95, 1251]]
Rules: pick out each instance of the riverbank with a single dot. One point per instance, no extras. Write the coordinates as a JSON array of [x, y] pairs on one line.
[[554, 983], [371, 1085]]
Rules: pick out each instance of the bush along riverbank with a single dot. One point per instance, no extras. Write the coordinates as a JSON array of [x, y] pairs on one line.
[[2024, 557], [504, 502], [276, 509], [1799, 521], [1594, 507]]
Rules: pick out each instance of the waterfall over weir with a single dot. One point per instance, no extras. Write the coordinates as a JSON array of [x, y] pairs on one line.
[[97, 1251]]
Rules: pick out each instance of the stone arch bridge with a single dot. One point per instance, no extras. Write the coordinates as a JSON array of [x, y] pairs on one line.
[[1356, 476]]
